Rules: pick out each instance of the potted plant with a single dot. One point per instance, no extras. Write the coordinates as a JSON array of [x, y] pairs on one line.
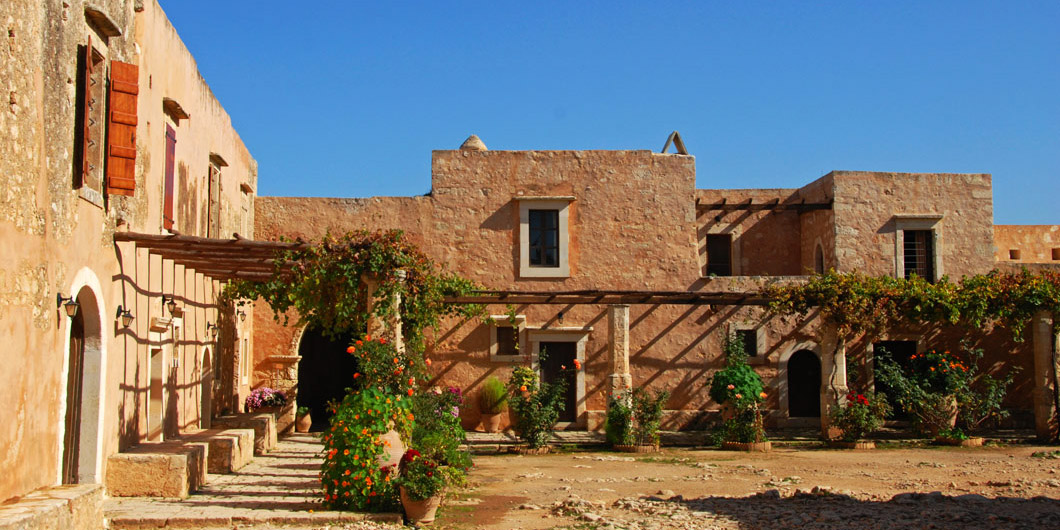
[[265, 399], [493, 402], [422, 482], [738, 388], [862, 415], [303, 421], [633, 420]]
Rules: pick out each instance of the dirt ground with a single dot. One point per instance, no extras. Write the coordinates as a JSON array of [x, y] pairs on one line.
[[987, 487]]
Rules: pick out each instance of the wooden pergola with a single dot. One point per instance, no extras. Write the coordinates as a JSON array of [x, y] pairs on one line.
[[611, 297], [773, 205], [221, 259]]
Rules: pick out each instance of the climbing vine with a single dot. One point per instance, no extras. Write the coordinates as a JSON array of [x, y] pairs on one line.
[[325, 282]]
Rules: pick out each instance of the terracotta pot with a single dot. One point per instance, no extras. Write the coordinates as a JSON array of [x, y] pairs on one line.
[[636, 448], [491, 422], [303, 423], [860, 444], [753, 447], [393, 449], [976, 441], [943, 418], [420, 512]]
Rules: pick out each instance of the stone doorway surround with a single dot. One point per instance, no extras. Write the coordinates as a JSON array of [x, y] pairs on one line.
[[579, 336], [88, 292], [783, 417]]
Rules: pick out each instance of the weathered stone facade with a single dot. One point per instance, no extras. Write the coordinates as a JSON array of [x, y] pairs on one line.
[[635, 221], [62, 202]]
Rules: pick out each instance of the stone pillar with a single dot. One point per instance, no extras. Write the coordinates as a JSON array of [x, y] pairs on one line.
[[391, 327], [833, 373], [618, 347], [1045, 368]]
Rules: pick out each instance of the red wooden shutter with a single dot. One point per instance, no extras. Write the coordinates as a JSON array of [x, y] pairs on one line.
[[171, 157], [121, 128]]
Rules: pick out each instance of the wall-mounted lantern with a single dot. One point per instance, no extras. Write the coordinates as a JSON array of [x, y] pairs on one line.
[[212, 329], [171, 304], [70, 306], [125, 315]]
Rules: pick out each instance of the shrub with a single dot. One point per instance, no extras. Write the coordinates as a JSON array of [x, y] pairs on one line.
[[647, 415], [536, 405], [618, 426], [862, 415], [746, 425], [423, 477], [493, 399], [737, 377], [265, 397], [436, 430]]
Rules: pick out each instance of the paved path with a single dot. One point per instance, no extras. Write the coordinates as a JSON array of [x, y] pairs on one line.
[[279, 488]]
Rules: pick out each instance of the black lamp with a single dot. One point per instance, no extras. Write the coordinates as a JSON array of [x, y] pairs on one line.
[[70, 306], [212, 328], [559, 317], [125, 315], [242, 315], [171, 304]]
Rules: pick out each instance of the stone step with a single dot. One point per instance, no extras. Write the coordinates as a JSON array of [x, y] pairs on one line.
[[163, 469], [76, 507], [251, 520], [263, 425], [229, 449]]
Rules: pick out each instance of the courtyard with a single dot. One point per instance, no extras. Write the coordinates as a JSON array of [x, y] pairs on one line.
[[799, 484]]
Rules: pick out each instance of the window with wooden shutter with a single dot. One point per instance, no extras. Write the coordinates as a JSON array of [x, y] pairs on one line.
[[171, 159], [121, 129], [919, 254]]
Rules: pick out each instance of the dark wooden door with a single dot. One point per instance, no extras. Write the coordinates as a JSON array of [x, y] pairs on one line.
[[804, 385], [900, 352], [557, 360], [325, 371], [74, 382]]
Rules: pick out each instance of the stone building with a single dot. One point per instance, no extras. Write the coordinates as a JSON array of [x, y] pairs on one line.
[[567, 233], [108, 129]]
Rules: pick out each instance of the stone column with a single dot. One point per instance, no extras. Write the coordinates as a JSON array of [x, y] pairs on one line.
[[1045, 369], [833, 373], [618, 347], [391, 327]]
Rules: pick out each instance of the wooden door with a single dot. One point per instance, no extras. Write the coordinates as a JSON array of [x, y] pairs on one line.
[[74, 383], [557, 360], [804, 385]]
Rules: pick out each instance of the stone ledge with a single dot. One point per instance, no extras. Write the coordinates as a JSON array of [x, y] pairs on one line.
[[77, 507], [170, 469], [229, 449], [249, 521], [263, 425]]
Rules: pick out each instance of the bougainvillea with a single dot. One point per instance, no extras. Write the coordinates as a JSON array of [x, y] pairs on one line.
[[265, 397]]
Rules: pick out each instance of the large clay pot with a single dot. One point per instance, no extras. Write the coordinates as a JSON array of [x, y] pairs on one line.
[[304, 423], [944, 416], [754, 447], [420, 512], [393, 449], [491, 422], [860, 444], [636, 448]]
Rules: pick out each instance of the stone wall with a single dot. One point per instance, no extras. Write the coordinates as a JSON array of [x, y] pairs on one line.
[[58, 237], [1031, 243]]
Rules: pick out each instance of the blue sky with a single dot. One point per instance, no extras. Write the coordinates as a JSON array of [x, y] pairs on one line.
[[347, 99]]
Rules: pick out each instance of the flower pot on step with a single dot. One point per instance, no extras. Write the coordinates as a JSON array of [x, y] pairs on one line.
[[754, 447], [420, 512], [975, 441], [491, 422], [303, 423]]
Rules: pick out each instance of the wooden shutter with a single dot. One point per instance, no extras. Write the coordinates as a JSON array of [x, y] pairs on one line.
[[121, 128], [171, 158], [86, 134]]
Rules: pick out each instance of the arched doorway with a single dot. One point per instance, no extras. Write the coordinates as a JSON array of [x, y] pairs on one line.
[[206, 391], [83, 392], [325, 371], [804, 385]]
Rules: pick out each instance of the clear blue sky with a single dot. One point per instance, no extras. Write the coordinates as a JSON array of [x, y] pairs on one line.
[[347, 99]]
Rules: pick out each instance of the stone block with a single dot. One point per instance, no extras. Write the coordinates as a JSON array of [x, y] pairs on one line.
[[229, 449], [263, 425], [76, 507], [168, 469]]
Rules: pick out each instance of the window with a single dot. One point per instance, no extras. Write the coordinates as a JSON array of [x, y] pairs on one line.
[[1014, 254], [1056, 254], [171, 159], [749, 338], [919, 254], [544, 237], [506, 338], [91, 124], [719, 254], [818, 259]]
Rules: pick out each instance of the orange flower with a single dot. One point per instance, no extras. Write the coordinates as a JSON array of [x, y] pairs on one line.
[[346, 452], [382, 341], [411, 417], [522, 388], [358, 343], [356, 416], [356, 375], [412, 381], [368, 338], [427, 361], [932, 368], [364, 431], [410, 391], [351, 349], [396, 361], [577, 364]]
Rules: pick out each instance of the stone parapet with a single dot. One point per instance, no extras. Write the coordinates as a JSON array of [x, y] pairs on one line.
[[168, 469], [73, 507], [229, 449], [263, 425]]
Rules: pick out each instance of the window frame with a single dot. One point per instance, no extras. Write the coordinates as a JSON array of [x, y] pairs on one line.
[[562, 205], [732, 254], [504, 321], [918, 222]]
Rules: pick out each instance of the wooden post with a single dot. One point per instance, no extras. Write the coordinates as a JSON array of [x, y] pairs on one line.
[[1045, 371], [618, 347]]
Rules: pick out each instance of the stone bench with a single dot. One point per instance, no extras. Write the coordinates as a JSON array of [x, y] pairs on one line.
[[165, 469], [229, 449], [76, 506], [263, 424]]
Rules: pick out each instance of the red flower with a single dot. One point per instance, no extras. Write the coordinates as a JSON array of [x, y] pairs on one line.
[[351, 349]]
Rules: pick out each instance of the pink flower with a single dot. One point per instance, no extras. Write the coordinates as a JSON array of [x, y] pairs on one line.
[[731, 387]]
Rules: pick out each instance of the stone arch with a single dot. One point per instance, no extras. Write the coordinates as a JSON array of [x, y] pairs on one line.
[[799, 352], [325, 370], [81, 417]]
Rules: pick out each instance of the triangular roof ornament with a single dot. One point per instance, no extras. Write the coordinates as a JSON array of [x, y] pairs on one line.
[[675, 138]]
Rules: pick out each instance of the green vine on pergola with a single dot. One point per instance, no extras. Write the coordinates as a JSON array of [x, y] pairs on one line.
[[325, 283]]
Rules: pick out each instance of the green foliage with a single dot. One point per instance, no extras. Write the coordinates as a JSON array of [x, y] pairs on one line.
[[634, 417], [953, 434], [862, 415], [618, 426], [302, 411], [324, 283], [737, 378], [436, 431], [536, 405], [493, 398], [385, 368], [746, 425], [423, 477], [351, 474]]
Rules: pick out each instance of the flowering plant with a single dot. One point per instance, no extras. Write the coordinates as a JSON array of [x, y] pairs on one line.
[[265, 397], [437, 431], [862, 414], [423, 477], [537, 404], [635, 417], [386, 368]]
